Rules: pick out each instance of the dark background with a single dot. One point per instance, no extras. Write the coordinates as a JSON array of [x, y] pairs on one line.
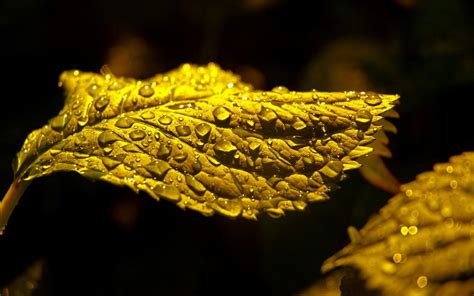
[[101, 240]]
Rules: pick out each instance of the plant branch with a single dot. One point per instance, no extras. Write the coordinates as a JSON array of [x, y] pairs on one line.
[[10, 200]]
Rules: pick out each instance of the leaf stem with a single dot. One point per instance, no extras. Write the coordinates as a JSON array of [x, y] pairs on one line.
[[10, 200]]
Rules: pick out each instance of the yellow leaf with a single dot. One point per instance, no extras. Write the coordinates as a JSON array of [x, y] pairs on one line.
[[26, 283], [201, 138], [422, 241]]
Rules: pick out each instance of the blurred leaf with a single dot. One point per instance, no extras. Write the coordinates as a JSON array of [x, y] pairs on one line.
[[201, 138], [375, 171], [26, 283], [422, 241]]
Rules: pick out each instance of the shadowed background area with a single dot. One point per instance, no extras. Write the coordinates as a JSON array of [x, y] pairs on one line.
[[100, 240]]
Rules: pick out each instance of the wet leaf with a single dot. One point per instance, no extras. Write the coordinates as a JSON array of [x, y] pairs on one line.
[[26, 283], [201, 138], [422, 241]]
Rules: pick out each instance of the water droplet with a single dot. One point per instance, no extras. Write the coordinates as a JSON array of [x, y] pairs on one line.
[[101, 103], [76, 104], [158, 168], [195, 185], [165, 119], [93, 90], [404, 230], [228, 207], [267, 115], [280, 90], [363, 119], [254, 147], [183, 130], [299, 125], [275, 212], [110, 163], [148, 115], [332, 169], [82, 121], [157, 136], [124, 122], [59, 122], [221, 114], [422, 281], [164, 151], [137, 135], [180, 157], [115, 85], [449, 169], [397, 258], [373, 99], [146, 91], [131, 148], [203, 130], [108, 137], [225, 147], [168, 192]]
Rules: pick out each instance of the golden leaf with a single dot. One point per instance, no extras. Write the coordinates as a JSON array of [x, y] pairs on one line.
[[203, 139], [422, 241], [26, 283]]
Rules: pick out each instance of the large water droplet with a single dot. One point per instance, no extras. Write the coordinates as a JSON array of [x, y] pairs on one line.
[[280, 89], [131, 148], [169, 192], [115, 85], [148, 115], [93, 90], [225, 147], [332, 169], [108, 137], [124, 122], [165, 119], [299, 125], [180, 157], [203, 130], [195, 185], [228, 207], [146, 91], [158, 168], [58, 122], [221, 114], [183, 130], [110, 163], [137, 135], [82, 121], [373, 99], [363, 119], [164, 151], [101, 103]]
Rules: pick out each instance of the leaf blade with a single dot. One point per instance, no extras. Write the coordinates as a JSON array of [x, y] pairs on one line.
[[199, 137]]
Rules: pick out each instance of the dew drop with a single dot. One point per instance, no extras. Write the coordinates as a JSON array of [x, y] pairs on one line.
[[165, 119], [203, 130], [93, 90], [225, 147], [183, 130], [101, 103], [146, 91], [158, 168], [124, 122], [299, 125], [82, 121], [373, 99], [332, 169], [147, 115], [221, 114], [137, 135], [280, 90], [168, 192], [115, 85], [195, 185], [108, 137], [59, 122], [363, 119], [422, 281]]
